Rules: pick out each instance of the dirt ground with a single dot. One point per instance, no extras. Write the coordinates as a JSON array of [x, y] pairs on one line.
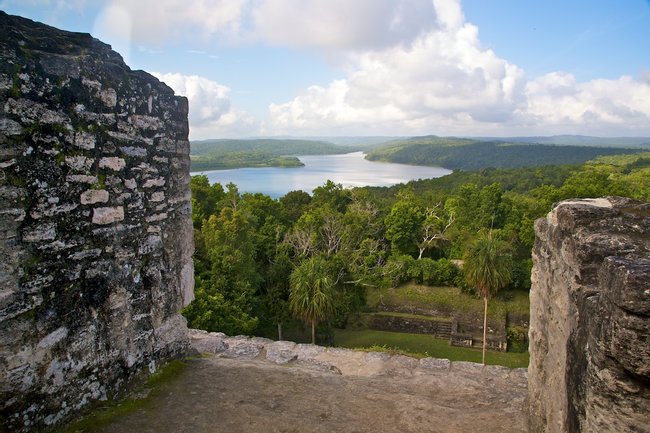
[[216, 394]]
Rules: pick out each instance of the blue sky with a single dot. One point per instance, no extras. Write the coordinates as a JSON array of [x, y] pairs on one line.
[[383, 67]]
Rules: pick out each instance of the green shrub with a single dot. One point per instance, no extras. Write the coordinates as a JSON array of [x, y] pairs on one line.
[[517, 339], [521, 275], [403, 268], [397, 269]]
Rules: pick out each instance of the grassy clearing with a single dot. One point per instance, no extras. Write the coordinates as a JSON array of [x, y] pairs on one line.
[[448, 300], [422, 346]]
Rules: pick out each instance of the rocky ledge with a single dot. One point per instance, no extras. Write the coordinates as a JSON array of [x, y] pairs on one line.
[[590, 318], [345, 361]]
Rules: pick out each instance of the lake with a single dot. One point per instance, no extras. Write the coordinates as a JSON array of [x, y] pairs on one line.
[[350, 170]]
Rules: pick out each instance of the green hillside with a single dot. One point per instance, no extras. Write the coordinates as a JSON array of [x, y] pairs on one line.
[[231, 153], [468, 154], [577, 140]]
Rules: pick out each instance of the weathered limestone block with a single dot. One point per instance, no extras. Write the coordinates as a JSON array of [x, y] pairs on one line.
[[93, 196], [107, 215], [80, 163], [281, 352], [207, 342], [112, 162], [95, 257], [590, 318]]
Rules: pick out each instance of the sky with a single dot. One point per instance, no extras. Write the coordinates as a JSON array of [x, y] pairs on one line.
[[383, 67]]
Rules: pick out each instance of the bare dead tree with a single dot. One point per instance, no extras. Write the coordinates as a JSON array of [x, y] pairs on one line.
[[433, 228]]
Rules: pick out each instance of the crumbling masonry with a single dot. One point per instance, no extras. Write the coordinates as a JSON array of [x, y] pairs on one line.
[[95, 223]]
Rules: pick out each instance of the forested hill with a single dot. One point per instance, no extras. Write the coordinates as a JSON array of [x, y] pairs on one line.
[[469, 154], [232, 153], [577, 140]]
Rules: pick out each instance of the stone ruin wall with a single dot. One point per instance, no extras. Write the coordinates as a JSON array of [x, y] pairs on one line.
[[590, 318], [95, 220]]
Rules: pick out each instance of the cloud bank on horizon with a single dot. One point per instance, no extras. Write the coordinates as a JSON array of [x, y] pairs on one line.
[[408, 67]]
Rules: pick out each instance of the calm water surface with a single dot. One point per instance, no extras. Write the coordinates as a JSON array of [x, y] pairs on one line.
[[350, 170]]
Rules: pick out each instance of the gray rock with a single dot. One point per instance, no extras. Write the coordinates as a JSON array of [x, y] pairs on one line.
[[93, 196], [467, 368], [241, 348], [435, 364], [308, 351], [108, 215], [281, 352], [377, 357], [204, 342], [590, 322], [404, 362], [112, 162]]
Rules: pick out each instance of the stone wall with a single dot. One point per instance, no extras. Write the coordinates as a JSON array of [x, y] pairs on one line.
[[95, 224], [590, 318], [349, 362], [467, 328]]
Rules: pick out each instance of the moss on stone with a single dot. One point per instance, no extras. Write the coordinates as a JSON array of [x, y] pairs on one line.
[[140, 396]]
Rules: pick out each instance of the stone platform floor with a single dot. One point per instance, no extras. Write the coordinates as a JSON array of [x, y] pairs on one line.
[[286, 388]]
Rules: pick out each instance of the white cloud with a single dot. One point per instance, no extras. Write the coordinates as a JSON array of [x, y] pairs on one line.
[[55, 4], [156, 21], [411, 67], [557, 101], [446, 82], [114, 26], [449, 14], [331, 24], [341, 24], [210, 112], [442, 79]]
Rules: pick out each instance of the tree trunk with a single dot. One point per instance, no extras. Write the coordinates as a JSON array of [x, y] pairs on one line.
[[313, 331], [421, 251], [485, 302], [279, 331]]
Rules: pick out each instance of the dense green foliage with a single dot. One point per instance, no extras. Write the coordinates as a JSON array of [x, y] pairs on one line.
[[367, 240], [454, 153], [230, 153]]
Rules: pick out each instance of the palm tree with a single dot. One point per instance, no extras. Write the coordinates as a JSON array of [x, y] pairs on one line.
[[310, 297], [488, 268]]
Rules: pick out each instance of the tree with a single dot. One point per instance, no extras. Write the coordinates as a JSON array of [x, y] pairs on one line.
[[476, 208], [311, 297], [403, 223], [331, 230], [293, 205], [278, 288], [205, 198], [227, 278], [488, 268], [333, 195], [433, 228]]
